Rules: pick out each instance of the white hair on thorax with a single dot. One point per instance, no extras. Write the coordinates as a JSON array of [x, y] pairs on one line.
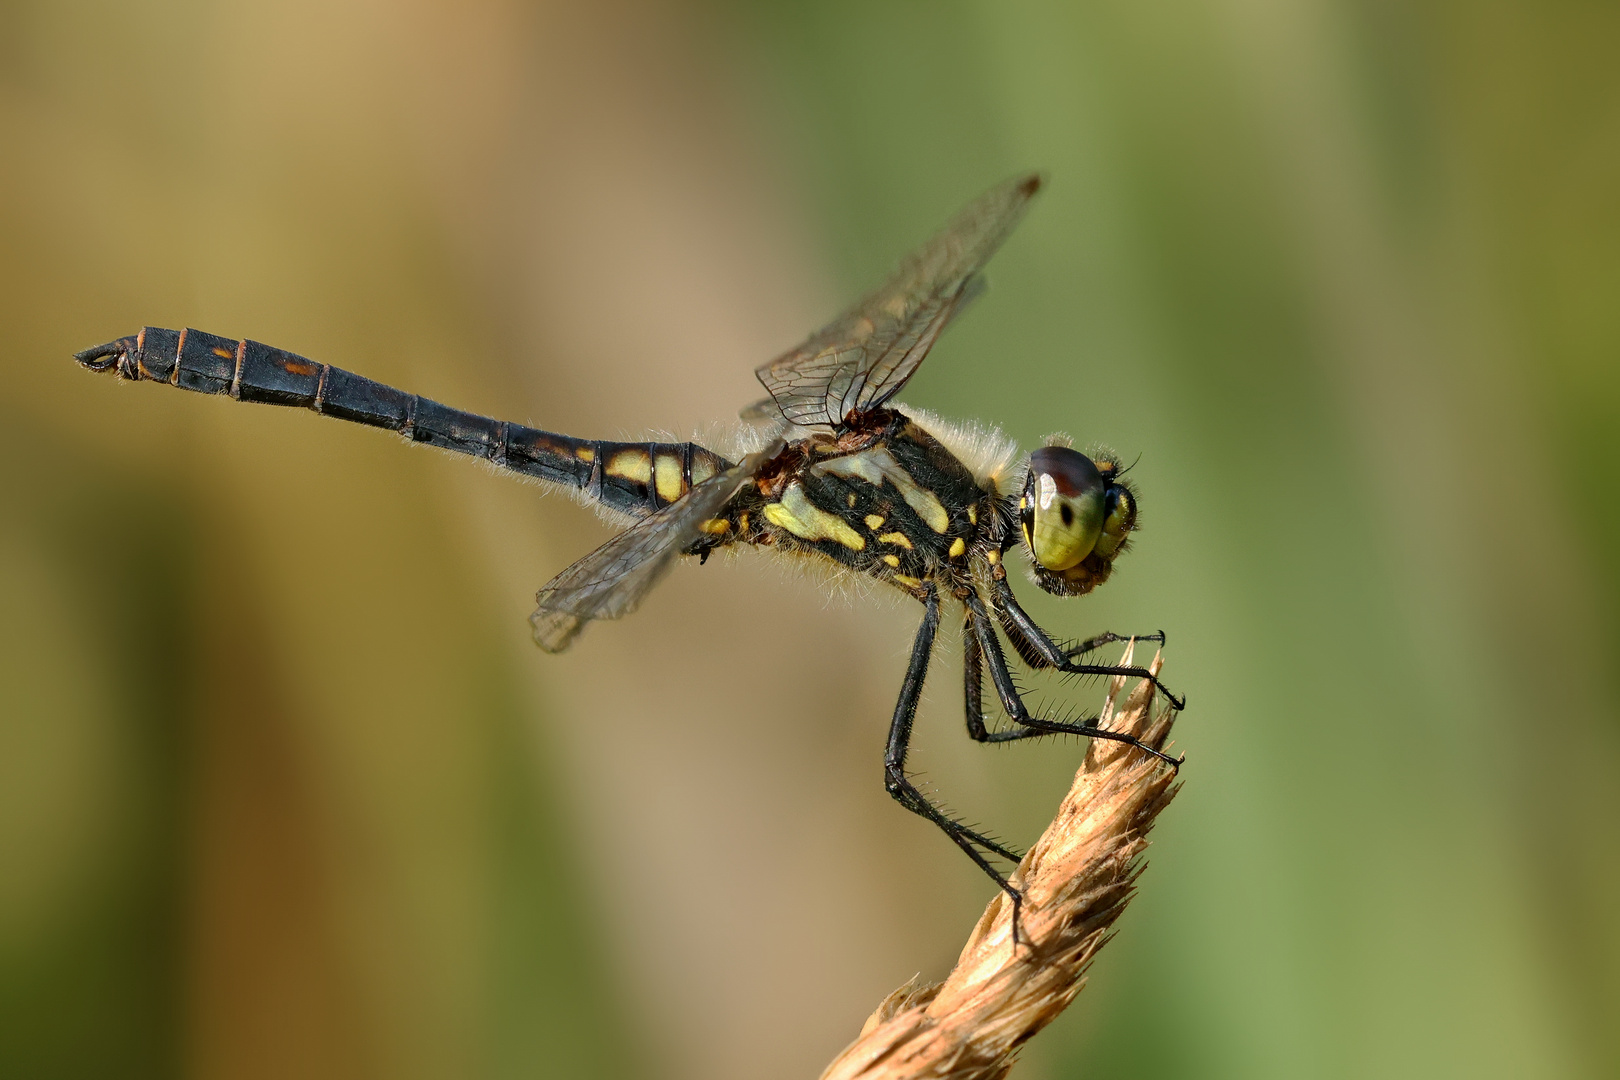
[[736, 439], [990, 455]]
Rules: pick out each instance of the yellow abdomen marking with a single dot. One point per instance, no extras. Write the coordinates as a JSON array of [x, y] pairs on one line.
[[633, 465], [804, 519], [667, 470]]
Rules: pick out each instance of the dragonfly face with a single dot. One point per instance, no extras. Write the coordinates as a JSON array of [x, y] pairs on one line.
[[843, 476], [1076, 516]]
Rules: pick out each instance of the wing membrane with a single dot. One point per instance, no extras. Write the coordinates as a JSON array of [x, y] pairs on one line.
[[863, 358], [612, 580]]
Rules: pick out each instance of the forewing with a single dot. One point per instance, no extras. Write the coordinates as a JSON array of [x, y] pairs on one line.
[[863, 358], [611, 581]]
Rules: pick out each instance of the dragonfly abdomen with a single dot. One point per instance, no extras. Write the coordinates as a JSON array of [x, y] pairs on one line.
[[633, 478]]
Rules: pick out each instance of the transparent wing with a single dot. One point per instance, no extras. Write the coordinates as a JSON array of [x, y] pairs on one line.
[[611, 581], [865, 356], [768, 411]]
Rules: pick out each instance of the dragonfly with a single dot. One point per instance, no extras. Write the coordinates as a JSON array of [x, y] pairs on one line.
[[840, 474]]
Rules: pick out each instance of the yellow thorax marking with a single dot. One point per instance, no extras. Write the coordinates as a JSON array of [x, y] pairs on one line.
[[633, 465], [907, 581], [716, 526], [877, 465], [874, 522], [957, 547], [804, 519], [992, 556], [892, 560], [973, 514], [898, 539], [668, 474]]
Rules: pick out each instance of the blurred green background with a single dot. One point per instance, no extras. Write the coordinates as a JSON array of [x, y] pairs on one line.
[[286, 791]]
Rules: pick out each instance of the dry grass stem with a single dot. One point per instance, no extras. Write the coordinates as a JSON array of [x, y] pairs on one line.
[[1076, 881]]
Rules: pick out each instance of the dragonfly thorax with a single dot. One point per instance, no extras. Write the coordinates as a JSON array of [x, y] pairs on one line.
[[886, 499]]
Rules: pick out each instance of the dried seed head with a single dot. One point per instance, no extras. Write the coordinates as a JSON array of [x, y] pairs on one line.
[[1076, 881]]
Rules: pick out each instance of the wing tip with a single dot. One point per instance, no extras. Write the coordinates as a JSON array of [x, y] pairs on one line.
[[554, 631]]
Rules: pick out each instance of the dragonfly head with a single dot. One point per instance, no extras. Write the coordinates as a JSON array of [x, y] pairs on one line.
[[1077, 515]]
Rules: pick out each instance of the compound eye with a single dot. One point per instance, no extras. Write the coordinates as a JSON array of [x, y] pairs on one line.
[[1119, 518], [1062, 510]]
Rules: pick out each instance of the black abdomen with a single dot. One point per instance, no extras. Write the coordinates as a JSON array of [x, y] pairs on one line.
[[634, 478]]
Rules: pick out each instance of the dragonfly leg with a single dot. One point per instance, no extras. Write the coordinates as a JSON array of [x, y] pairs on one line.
[[900, 786], [973, 695], [1040, 651], [1091, 644], [984, 635]]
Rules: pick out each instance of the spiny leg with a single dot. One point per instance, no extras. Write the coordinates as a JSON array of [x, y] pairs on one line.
[[1039, 650], [899, 785], [973, 653], [973, 695], [984, 633], [1108, 637], [973, 687]]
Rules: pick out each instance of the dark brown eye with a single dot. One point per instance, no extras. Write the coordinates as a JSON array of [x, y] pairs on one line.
[[1073, 474]]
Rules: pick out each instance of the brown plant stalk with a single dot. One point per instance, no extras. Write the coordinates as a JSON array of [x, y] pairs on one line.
[[1076, 881]]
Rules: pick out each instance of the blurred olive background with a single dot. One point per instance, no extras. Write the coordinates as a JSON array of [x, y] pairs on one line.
[[286, 791]]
